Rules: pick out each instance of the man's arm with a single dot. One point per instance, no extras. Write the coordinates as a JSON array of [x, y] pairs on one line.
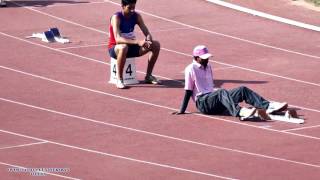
[[115, 21], [144, 28], [184, 105]]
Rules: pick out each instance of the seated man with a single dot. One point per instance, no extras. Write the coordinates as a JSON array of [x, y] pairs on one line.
[[3, 3], [123, 43], [199, 85]]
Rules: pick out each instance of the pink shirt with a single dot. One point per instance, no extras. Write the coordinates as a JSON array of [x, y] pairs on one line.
[[198, 79]]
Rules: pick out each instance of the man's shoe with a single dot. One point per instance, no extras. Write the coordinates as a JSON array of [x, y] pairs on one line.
[[120, 84], [262, 114], [276, 107], [246, 112], [152, 80]]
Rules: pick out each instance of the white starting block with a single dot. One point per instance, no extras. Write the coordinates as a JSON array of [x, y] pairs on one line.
[[129, 72], [53, 35]]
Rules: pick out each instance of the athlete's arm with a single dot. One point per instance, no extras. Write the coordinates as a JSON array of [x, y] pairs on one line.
[[144, 28], [115, 22]]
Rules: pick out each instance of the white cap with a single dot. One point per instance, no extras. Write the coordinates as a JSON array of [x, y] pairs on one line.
[[202, 52]]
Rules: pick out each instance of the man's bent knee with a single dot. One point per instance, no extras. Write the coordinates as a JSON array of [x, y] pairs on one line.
[[155, 46], [121, 48], [242, 88]]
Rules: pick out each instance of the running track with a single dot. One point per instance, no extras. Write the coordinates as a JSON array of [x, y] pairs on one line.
[[58, 111]]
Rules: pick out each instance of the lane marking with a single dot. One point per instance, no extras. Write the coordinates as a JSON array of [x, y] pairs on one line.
[[72, 3], [301, 128], [304, 108], [232, 66], [175, 22], [58, 18], [84, 46], [147, 103], [265, 15], [52, 174], [193, 27], [222, 34], [223, 68], [159, 135], [250, 70], [118, 156], [76, 55], [22, 145], [185, 54], [170, 29], [317, 57]]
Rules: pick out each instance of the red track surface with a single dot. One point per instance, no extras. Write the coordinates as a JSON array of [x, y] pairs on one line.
[[58, 111]]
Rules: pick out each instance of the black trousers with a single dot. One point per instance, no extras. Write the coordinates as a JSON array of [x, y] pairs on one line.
[[223, 101]]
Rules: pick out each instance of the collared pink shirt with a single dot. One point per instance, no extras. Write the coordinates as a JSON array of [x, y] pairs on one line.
[[198, 79]]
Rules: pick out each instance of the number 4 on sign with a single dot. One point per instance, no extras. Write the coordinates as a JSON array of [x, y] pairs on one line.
[[128, 70], [114, 70]]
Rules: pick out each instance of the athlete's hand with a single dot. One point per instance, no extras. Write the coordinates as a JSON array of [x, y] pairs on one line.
[[145, 44], [148, 44]]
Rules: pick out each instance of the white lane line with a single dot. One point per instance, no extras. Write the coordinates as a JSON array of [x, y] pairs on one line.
[[84, 46], [180, 23], [223, 68], [302, 128], [222, 34], [265, 15], [160, 135], [72, 3], [247, 69], [72, 54], [304, 108], [170, 29], [185, 54], [56, 17], [120, 157], [250, 70], [268, 74], [22, 145], [229, 66], [147, 103], [25, 168]]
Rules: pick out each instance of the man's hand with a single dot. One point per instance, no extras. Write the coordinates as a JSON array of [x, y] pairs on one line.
[[144, 43], [148, 44], [148, 41]]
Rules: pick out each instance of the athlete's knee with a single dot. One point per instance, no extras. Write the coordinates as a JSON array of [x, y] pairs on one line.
[[243, 88], [156, 45], [122, 48]]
